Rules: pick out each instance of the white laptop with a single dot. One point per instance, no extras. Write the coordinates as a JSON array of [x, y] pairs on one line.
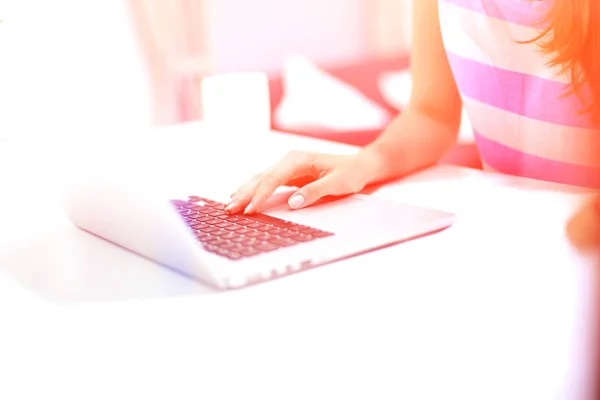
[[195, 236]]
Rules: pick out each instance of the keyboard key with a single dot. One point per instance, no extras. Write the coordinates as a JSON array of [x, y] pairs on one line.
[[220, 243], [268, 220], [263, 236], [273, 230], [234, 227], [201, 235], [222, 233], [233, 256], [320, 234], [265, 246], [282, 242], [303, 238], [249, 252], [222, 252], [250, 242]]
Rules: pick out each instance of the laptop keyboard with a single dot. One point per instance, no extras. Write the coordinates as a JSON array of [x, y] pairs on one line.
[[240, 236]]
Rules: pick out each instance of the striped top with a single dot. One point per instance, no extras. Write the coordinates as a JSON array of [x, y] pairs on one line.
[[524, 124]]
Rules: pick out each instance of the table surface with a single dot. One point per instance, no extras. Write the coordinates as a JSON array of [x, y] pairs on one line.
[[496, 307]]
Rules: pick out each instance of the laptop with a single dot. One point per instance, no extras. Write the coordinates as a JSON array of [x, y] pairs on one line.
[[194, 235]]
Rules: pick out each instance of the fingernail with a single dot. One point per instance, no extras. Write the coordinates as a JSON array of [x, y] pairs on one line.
[[296, 201], [231, 205], [249, 209]]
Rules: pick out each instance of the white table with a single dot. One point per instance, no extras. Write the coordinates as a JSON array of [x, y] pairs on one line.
[[494, 307]]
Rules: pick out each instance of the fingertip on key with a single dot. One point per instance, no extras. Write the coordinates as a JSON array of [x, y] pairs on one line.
[[250, 209], [232, 206]]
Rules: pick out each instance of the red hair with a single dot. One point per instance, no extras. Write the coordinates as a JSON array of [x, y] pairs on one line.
[[572, 41]]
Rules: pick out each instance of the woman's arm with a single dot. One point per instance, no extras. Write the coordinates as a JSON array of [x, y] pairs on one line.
[[583, 229], [429, 126]]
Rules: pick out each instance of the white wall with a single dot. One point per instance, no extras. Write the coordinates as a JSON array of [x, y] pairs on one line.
[[69, 65], [259, 34]]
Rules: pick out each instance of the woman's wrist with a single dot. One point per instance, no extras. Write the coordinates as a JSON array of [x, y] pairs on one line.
[[378, 163]]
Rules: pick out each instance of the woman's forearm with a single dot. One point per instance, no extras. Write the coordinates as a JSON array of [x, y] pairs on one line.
[[414, 140]]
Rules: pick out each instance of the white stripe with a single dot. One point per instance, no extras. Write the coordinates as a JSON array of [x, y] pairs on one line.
[[491, 41], [551, 141]]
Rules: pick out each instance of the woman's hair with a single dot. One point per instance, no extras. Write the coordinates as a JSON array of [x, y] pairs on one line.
[[572, 41]]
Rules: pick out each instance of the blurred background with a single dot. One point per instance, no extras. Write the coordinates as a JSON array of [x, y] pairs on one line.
[[118, 65]]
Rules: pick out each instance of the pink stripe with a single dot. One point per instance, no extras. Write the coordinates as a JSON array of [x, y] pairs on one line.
[[513, 162], [521, 12], [518, 93]]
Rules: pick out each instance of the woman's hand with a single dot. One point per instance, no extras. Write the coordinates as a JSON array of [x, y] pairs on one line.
[[583, 229], [317, 175]]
